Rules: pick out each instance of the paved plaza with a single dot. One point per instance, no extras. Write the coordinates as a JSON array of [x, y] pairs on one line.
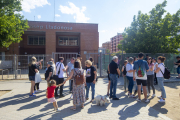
[[16, 105]]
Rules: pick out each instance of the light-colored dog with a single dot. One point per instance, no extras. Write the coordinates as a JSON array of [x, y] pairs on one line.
[[101, 100]]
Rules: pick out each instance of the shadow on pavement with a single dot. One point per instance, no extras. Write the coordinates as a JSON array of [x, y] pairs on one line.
[[95, 108]]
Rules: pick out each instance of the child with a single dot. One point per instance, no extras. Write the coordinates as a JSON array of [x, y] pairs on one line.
[[50, 94]]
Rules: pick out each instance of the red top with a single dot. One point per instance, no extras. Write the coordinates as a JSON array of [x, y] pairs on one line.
[[50, 91]]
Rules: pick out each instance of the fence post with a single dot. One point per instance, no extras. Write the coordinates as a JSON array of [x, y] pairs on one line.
[[15, 67], [100, 64]]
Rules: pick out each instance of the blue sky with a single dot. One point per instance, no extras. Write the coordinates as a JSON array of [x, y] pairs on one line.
[[112, 16]]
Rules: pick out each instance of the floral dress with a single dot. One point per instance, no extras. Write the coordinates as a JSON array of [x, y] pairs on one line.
[[78, 90]]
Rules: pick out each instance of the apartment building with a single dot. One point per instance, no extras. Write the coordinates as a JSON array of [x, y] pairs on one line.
[[115, 41], [107, 45]]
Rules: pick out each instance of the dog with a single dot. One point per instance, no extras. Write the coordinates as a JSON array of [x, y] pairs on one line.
[[101, 100]]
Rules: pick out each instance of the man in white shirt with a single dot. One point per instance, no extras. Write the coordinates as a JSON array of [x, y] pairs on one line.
[[60, 69]]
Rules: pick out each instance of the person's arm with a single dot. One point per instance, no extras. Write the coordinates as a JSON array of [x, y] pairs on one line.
[[40, 65], [46, 93], [64, 68], [122, 69], [147, 67], [50, 74], [157, 69], [151, 68], [118, 71], [60, 84], [108, 69], [134, 78], [67, 71], [95, 75], [70, 76]]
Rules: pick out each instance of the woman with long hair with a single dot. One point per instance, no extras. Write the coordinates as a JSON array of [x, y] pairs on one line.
[[78, 90], [160, 69], [150, 77], [32, 72]]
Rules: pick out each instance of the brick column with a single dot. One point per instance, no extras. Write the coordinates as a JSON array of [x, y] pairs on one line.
[[50, 42]]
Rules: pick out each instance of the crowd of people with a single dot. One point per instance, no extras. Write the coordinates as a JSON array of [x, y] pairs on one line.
[[79, 80]]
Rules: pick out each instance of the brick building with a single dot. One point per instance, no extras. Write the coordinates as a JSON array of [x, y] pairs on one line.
[[115, 41], [107, 45], [56, 37]]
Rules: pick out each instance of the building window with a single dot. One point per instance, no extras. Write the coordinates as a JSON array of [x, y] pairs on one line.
[[36, 40], [68, 41]]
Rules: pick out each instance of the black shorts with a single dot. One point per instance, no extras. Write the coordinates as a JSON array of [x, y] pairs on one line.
[[143, 82]]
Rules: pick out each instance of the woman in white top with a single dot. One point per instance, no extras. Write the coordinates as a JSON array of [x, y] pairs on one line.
[[53, 66], [129, 75], [159, 74]]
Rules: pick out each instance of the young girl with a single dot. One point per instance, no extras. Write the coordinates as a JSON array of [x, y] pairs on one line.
[[50, 94]]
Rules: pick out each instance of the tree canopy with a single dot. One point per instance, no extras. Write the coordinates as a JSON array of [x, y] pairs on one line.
[[155, 32], [12, 23]]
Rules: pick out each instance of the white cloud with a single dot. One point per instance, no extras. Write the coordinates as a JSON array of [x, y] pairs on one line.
[[121, 29], [18, 12], [57, 15], [78, 13], [39, 16], [27, 5], [103, 31]]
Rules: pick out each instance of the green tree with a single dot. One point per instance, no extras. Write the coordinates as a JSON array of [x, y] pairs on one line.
[[107, 51], [153, 33], [12, 23]]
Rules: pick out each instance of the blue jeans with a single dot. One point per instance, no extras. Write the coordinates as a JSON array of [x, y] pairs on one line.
[[131, 83], [161, 86], [113, 78], [92, 89], [70, 85], [178, 70]]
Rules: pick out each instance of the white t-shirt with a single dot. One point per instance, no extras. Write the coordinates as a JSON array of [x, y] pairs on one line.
[[61, 69], [155, 65], [129, 67], [159, 74]]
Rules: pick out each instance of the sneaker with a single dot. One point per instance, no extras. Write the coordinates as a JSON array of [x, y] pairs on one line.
[[58, 110], [115, 98], [153, 95], [138, 100], [32, 95], [71, 96], [146, 100], [39, 90], [61, 96], [148, 95], [132, 96], [35, 91], [159, 97], [161, 100]]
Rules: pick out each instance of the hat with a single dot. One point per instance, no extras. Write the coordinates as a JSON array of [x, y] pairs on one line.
[[50, 63]]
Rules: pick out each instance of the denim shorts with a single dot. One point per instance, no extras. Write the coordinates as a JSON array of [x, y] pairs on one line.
[[32, 78], [178, 70]]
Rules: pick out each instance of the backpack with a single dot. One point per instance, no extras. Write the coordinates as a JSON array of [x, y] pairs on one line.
[[166, 73], [79, 78], [140, 72], [124, 71]]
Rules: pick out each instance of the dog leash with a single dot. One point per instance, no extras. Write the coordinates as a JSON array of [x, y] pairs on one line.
[[102, 99]]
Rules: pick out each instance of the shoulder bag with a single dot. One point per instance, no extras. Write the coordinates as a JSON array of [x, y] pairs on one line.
[[79, 78], [55, 77]]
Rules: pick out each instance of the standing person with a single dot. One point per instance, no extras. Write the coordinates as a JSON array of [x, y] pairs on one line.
[[39, 67], [50, 94], [32, 72], [147, 57], [150, 77], [178, 68], [69, 68], [124, 72], [91, 75], [114, 72], [109, 82], [140, 75], [53, 66], [60, 72], [129, 75], [79, 57], [78, 90], [160, 69], [135, 59], [49, 72], [155, 78]]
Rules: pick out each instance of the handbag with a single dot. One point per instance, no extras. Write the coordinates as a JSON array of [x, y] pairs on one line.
[[55, 77], [79, 78], [38, 78]]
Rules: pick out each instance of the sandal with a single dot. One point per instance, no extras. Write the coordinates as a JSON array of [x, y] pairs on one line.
[[73, 108]]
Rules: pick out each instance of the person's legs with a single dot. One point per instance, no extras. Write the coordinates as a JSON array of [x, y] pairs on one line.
[[111, 86], [127, 82], [131, 84], [93, 90], [55, 105], [32, 87], [70, 87], [139, 88], [87, 90], [161, 86], [144, 84], [148, 83], [114, 86], [178, 71], [152, 83], [57, 82], [124, 77], [38, 86], [108, 87], [61, 87], [35, 87]]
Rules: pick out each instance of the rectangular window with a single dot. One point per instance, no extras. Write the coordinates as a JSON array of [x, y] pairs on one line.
[[68, 41], [36, 40]]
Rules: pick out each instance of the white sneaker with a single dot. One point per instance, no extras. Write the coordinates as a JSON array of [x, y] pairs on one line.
[[132, 96], [161, 100], [159, 97], [146, 100], [35, 91], [58, 110], [71, 96], [138, 100], [153, 95], [148, 95], [39, 90]]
